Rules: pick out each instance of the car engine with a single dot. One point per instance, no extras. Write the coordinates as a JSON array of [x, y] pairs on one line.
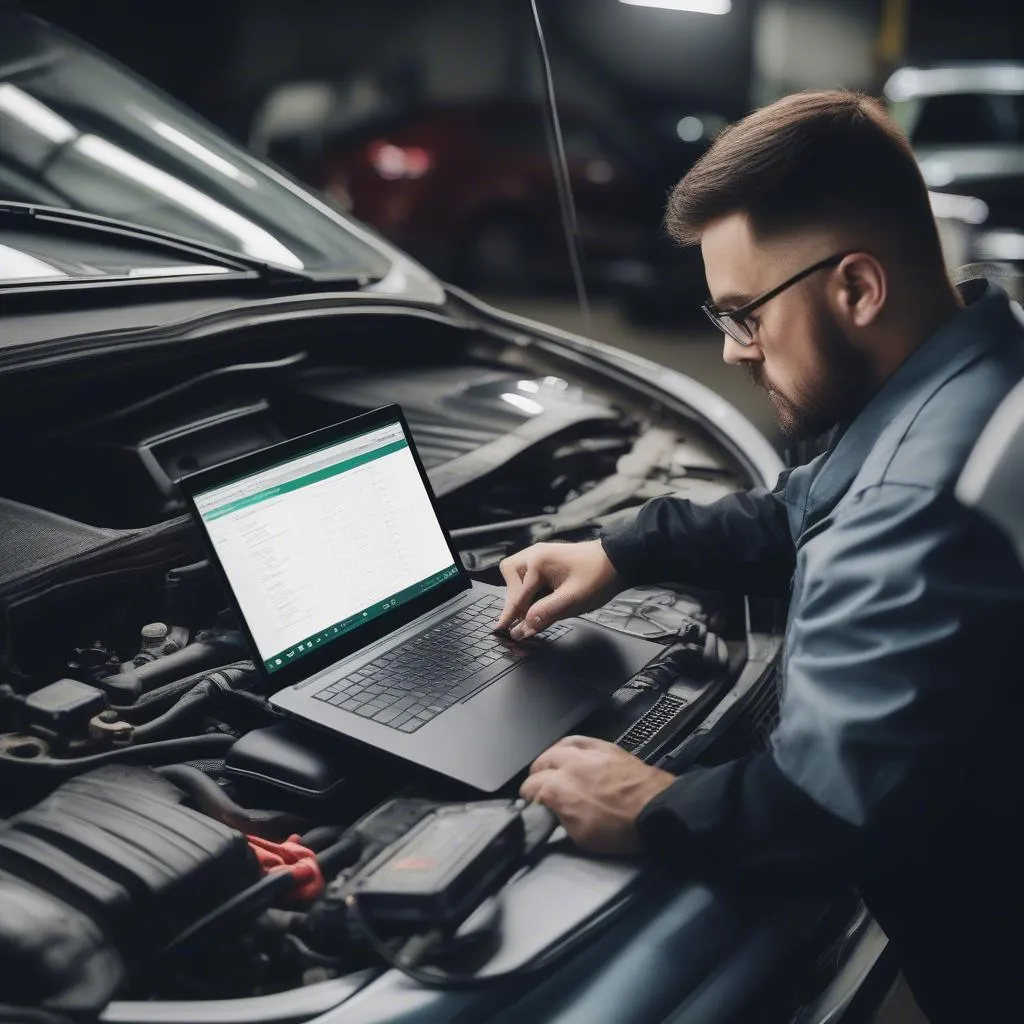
[[149, 794]]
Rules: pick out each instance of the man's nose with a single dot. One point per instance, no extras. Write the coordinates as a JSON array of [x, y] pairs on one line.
[[734, 353]]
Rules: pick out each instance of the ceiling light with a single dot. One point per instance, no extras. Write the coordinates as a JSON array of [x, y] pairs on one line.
[[690, 129], [524, 404], [969, 209], [251, 238], [696, 6], [18, 104], [200, 152]]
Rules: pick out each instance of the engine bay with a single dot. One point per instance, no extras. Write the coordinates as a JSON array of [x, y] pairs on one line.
[[126, 684]]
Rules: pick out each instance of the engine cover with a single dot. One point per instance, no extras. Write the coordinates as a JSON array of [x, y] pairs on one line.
[[100, 876]]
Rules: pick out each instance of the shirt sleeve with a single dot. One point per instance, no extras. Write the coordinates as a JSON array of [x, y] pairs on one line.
[[741, 542], [900, 648]]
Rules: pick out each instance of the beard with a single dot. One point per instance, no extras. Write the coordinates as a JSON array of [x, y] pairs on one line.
[[834, 394]]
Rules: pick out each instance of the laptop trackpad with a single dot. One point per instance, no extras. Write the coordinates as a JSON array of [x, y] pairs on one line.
[[535, 702]]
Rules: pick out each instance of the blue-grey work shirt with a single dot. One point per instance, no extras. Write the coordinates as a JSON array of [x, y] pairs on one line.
[[901, 684]]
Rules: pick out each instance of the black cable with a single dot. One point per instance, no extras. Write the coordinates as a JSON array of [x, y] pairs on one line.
[[441, 979], [203, 697], [171, 691], [148, 755], [342, 854], [321, 837], [213, 801], [243, 905], [560, 166], [538, 824], [267, 891]]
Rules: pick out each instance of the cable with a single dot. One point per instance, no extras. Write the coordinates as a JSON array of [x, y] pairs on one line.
[[241, 906], [212, 800], [560, 166], [203, 697], [441, 979], [538, 823], [264, 893], [148, 755]]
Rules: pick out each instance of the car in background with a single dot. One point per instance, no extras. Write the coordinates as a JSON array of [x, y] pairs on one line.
[[469, 190], [966, 124]]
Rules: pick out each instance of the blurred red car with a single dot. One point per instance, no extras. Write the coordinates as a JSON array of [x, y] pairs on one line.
[[469, 190]]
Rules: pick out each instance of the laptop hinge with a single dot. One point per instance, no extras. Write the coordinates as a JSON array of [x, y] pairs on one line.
[[410, 629]]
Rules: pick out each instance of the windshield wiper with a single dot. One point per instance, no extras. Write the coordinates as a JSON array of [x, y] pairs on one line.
[[32, 216]]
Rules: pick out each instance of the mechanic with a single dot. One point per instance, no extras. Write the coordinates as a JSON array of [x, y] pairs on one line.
[[894, 765]]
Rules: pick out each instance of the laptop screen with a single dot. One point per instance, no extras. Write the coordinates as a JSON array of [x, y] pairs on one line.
[[325, 542]]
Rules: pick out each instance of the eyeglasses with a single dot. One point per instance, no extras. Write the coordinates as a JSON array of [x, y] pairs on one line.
[[733, 321]]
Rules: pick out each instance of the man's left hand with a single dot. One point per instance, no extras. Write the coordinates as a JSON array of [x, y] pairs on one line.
[[597, 790]]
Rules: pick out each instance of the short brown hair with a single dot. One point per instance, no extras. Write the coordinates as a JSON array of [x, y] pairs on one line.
[[825, 158]]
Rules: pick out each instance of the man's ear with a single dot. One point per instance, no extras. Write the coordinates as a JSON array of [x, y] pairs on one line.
[[862, 288]]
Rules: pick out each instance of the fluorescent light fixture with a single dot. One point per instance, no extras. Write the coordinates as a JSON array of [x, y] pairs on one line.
[[40, 118], [523, 404], [200, 152], [696, 6], [909, 83], [937, 172], [969, 209], [1000, 245], [251, 237]]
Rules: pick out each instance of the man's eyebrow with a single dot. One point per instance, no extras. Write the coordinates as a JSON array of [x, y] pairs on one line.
[[731, 300]]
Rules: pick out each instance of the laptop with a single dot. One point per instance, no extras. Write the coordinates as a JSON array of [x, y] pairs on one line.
[[361, 615]]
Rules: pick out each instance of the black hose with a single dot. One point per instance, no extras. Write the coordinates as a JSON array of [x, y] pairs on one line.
[[163, 696], [241, 907], [187, 710], [152, 754], [342, 854], [321, 837], [212, 800], [201, 698], [210, 650]]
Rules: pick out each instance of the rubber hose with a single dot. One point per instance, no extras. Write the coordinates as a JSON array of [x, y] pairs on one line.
[[163, 696], [212, 800], [200, 697], [152, 754], [237, 910], [210, 651], [321, 837]]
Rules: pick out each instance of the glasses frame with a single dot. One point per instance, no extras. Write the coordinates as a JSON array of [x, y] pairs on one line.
[[732, 321]]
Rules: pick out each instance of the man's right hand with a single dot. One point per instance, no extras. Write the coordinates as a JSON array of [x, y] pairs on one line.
[[580, 577]]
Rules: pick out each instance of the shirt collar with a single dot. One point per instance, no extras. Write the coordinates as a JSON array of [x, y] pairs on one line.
[[983, 323]]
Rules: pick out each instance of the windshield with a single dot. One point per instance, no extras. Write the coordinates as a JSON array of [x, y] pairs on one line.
[[79, 132]]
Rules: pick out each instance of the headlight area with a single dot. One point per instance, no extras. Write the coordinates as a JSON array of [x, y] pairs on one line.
[[126, 685]]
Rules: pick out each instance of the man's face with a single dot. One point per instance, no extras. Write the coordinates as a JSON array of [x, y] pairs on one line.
[[801, 354]]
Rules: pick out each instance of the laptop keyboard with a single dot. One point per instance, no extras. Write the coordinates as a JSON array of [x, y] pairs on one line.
[[405, 688]]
